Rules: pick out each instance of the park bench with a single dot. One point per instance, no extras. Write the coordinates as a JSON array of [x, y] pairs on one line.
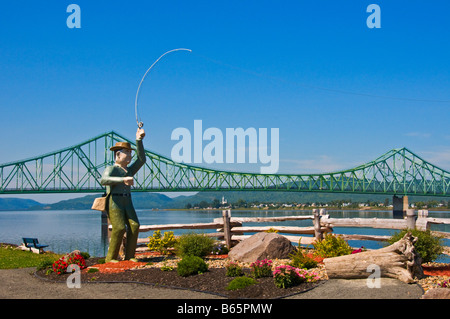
[[33, 243]]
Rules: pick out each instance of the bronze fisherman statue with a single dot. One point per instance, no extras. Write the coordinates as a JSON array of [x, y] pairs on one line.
[[118, 180]]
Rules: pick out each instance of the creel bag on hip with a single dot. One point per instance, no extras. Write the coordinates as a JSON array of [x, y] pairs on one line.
[[100, 203]]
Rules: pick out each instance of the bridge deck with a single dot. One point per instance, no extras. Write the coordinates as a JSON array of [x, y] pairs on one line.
[[78, 168]]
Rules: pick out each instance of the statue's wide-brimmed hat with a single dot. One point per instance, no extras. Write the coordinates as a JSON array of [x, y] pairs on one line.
[[122, 145]]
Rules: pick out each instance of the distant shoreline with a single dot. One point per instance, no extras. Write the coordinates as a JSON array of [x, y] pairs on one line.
[[235, 209], [296, 208]]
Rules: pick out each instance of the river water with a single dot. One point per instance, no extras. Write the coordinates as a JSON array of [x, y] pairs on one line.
[[66, 230]]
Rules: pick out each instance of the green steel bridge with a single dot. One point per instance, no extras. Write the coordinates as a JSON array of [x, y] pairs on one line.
[[78, 169]]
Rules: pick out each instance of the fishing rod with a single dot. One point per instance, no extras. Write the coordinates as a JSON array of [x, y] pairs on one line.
[[140, 123]]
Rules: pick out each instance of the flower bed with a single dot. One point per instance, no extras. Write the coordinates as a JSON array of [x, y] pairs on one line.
[[159, 269], [212, 281], [287, 276], [60, 266]]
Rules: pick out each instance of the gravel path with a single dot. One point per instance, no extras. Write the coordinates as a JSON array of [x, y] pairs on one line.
[[21, 283]]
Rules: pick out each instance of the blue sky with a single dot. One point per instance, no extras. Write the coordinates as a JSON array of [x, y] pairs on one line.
[[340, 93]]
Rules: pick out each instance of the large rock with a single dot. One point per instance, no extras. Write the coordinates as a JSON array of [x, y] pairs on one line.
[[261, 246], [66, 257]]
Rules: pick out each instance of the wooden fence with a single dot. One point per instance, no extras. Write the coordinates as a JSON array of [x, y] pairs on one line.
[[231, 229]]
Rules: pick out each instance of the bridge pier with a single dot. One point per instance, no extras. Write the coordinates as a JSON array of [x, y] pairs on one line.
[[400, 206]]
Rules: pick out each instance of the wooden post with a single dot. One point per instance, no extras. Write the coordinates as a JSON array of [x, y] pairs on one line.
[[423, 213], [422, 220], [425, 216], [317, 231], [411, 219], [226, 227]]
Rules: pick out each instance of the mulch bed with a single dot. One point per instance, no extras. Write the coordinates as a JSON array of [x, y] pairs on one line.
[[213, 281], [114, 268], [436, 270]]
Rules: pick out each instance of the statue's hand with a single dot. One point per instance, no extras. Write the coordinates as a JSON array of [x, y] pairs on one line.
[[140, 134], [129, 181]]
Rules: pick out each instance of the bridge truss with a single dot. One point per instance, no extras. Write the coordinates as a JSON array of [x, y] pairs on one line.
[[78, 169]]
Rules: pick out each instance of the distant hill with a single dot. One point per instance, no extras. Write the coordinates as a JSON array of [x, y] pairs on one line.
[[140, 201], [80, 203], [161, 201], [18, 204]]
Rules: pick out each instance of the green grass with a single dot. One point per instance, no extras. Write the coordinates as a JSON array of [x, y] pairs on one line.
[[13, 258]]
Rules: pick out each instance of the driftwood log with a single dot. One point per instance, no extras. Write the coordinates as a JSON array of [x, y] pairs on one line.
[[399, 260]]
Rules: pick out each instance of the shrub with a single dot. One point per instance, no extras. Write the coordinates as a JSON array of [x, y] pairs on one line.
[[85, 255], [234, 270], [193, 244], [219, 249], [428, 246], [300, 260], [332, 246], [286, 276], [241, 282], [261, 268], [191, 265], [93, 270], [161, 243]]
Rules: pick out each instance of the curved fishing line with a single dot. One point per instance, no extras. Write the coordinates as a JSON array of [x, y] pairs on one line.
[[278, 79], [140, 123]]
